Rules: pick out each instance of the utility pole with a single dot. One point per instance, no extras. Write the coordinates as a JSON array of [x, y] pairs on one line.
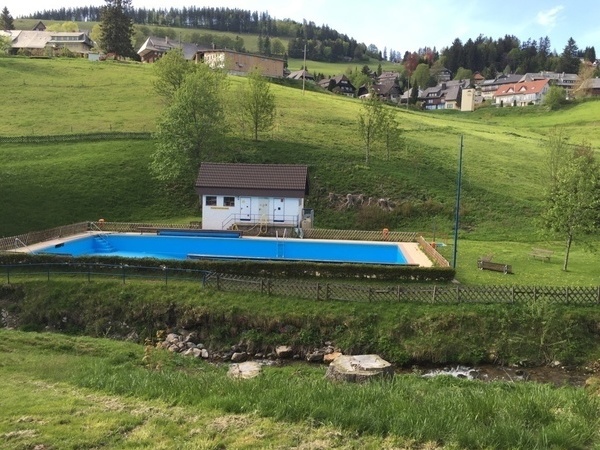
[[304, 70], [457, 212]]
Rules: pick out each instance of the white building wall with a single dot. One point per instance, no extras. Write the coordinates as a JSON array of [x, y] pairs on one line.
[[251, 210]]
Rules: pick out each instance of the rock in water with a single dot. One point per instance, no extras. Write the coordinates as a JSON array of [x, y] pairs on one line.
[[359, 368], [245, 370]]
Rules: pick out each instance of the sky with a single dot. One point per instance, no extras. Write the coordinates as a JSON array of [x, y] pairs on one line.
[[404, 25]]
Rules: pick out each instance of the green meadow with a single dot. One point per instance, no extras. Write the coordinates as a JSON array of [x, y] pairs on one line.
[[72, 391], [504, 164]]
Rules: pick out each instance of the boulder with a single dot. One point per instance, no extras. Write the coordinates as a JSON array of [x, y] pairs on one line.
[[316, 356], [284, 351], [359, 368], [245, 370], [330, 357], [239, 357]]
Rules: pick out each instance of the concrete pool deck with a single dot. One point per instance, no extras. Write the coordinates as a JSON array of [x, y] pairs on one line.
[[411, 250]]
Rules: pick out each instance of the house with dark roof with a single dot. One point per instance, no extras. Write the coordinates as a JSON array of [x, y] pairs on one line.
[[446, 95], [339, 84], [235, 195], [155, 47], [301, 75]]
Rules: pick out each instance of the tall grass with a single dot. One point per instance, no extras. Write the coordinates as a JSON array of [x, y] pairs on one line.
[[451, 412]]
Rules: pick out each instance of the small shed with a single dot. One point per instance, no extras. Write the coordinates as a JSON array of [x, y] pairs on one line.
[[247, 194]]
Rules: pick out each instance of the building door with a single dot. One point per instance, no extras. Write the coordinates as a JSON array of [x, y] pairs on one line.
[[245, 208], [263, 210], [279, 210]]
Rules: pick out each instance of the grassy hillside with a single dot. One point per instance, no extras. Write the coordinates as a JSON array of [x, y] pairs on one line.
[[503, 162]]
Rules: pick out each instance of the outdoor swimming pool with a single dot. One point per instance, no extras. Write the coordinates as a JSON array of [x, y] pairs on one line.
[[182, 246]]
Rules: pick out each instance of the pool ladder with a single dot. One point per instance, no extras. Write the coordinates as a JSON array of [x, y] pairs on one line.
[[280, 245], [23, 244], [100, 238]]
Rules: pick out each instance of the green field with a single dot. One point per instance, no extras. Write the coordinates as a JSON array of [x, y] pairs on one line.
[[76, 392], [504, 165]]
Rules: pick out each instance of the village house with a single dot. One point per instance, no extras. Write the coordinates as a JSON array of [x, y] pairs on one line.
[[251, 195], [301, 75], [155, 47], [237, 63], [339, 84], [446, 95], [489, 87], [48, 43], [522, 94]]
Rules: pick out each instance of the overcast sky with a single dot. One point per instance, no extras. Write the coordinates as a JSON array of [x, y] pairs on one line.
[[404, 25]]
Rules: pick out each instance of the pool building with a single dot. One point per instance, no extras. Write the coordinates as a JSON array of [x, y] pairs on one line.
[[242, 195]]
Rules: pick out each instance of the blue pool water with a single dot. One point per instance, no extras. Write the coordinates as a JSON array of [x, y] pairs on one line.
[[200, 247]]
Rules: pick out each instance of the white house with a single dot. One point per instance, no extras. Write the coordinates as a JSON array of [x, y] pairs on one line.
[[522, 94], [248, 194]]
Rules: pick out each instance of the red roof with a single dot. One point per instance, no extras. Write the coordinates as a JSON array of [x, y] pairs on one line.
[[525, 87]]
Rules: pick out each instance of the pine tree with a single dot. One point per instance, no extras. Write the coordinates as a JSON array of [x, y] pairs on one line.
[[117, 28], [6, 20]]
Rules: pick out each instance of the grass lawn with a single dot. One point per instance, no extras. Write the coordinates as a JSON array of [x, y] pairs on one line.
[[74, 392], [504, 170]]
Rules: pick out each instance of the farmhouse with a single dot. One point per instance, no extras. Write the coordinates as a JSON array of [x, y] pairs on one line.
[[234, 195], [238, 63], [155, 47], [44, 43]]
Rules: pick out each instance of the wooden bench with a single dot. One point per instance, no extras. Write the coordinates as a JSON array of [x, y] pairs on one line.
[[497, 267], [540, 253]]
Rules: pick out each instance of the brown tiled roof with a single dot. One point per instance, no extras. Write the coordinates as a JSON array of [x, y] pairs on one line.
[[286, 180]]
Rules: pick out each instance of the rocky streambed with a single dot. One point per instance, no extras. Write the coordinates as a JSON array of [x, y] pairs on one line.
[[243, 360]]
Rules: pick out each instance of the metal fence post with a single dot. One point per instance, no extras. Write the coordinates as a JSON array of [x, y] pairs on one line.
[[218, 282], [319, 289], [8, 279], [89, 273], [123, 272]]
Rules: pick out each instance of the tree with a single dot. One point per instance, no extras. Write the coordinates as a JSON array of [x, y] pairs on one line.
[[572, 200], [569, 59], [555, 98], [117, 28], [191, 127], [6, 20], [257, 104], [463, 74], [391, 132], [421, 77], [5, 45], [170, 72], [586, 74], [370, 122]]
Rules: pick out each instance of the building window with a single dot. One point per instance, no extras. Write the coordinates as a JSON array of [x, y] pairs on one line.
[[228, 201], [211, 200]]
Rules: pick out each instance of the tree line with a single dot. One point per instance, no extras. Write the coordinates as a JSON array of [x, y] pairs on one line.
[[322, 42], [508, 54]]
